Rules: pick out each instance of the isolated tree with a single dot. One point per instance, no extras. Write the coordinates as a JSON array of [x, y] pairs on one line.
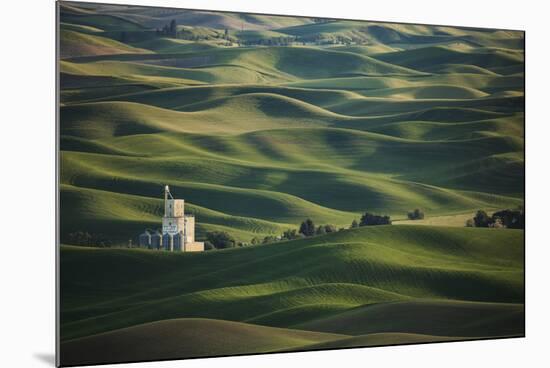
[[173, 28], [307, 228], [226, 34], [221, 239], [354, 224], [417, 214]]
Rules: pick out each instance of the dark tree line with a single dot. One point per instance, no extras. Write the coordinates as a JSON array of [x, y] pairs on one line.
[[308, 228], [511, 219], [170, 30], [222, 240], [369, 219], [88, 239]]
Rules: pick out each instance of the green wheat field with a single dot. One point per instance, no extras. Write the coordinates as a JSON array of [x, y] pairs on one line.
[[259, 123]]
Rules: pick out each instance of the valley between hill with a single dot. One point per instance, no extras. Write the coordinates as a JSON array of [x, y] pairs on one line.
[[260, 122]]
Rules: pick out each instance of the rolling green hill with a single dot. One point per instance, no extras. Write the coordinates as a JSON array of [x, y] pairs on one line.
[[210, 337], [260, 122], [388, 279], [79, 44], [309, 272]]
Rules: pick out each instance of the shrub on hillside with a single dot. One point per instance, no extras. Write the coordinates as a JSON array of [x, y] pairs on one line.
[[417, 214], [271, 239], [368, 219], [320, 230], [291, 234], [221, 239], [330, 228]]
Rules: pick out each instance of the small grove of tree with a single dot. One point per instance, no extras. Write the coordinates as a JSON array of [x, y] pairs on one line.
[[482, 219], [320, 230], [221, 239], [368, 219], [86, 239], [512, 219], [271, 239], [292, 234], [170, 30], [325, 229], [417, 214], [307, 228]]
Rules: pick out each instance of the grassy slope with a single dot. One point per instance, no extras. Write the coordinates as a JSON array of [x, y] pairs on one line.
[[172, 337], [286, 150], [290, 283], [256, 139], [79, 44], [447, 318], [418, 58]]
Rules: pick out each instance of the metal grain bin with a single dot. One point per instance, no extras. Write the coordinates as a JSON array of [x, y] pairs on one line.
[[178, 242], [167, 242], [145, 239], [156, 240]]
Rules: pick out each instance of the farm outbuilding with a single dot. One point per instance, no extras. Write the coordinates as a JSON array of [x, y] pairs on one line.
[[178, 229]]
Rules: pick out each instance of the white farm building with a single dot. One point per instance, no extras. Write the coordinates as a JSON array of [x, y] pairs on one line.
[[178, 229]]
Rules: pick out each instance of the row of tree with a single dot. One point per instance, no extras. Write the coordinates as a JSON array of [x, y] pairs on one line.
[[222, 239], [308, 228], [511, 219], [171, 30], [88, 239]]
